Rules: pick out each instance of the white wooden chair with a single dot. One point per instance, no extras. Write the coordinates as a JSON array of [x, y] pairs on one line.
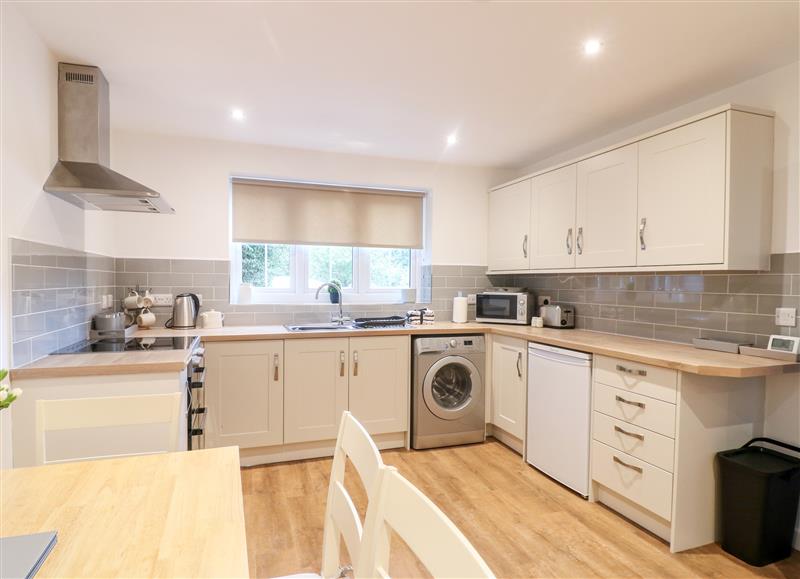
[[341, 516], [431, 536], [77, 413]]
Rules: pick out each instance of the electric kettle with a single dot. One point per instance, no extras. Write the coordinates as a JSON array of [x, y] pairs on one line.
[[184, 312]]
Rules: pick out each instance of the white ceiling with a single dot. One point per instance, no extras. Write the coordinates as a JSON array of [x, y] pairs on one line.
[[394, 79]]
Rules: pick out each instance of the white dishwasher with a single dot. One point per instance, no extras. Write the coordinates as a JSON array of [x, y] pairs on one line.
[[559, 414]]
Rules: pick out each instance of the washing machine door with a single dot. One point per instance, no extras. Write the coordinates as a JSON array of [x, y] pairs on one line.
[[452, 385]]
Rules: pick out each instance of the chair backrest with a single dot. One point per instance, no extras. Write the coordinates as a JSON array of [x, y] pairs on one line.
[[341, 516], [431, 536], [77, 413]]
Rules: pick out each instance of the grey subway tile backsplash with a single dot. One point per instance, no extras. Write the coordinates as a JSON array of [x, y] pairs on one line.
[[676, 306]]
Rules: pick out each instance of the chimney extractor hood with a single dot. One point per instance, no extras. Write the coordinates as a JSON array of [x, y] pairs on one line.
[[81, 175]]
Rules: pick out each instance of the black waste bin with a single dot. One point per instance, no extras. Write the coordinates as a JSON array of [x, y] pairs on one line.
[[760, 493]]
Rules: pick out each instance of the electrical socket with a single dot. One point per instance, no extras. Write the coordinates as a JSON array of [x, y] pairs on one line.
[[786, 317], [543, 300], [162, 299], [471, 299]]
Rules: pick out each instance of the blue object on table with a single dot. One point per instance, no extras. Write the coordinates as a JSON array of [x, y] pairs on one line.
[[22, 556]]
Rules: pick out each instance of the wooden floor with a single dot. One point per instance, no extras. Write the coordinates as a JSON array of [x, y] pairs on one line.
[[522, 523]]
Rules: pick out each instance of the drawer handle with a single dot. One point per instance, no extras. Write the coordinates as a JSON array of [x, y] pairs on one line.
[[626, 465], [631, 402], [631, 434], [276, 366], [622, 368]]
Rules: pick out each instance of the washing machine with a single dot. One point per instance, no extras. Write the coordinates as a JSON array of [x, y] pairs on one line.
[[448, 399]]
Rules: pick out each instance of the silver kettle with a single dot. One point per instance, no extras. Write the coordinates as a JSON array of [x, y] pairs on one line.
[[184, 312]]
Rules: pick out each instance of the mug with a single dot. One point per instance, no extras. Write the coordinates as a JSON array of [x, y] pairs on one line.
[[146, 318], [147, 300], [133, 302]]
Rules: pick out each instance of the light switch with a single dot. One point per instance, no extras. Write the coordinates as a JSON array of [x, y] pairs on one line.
[[786, 317]]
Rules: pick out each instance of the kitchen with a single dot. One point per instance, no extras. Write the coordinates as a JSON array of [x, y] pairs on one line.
[[577, 213]]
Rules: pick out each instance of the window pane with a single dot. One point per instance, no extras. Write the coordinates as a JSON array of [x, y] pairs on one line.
[[389, 268], [253, 264], [327, 263], [279, 266]]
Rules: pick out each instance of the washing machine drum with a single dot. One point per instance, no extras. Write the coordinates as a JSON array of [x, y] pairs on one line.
[[452, 387]]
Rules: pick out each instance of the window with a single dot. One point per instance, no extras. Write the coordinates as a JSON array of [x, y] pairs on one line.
[[283, 273]]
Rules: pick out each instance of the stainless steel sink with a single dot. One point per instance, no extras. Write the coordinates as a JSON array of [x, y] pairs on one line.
[[322, 327]]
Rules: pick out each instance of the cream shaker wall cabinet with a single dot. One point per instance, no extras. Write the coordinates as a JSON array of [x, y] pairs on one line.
[[244, 393], [509, 227], [553, 219]]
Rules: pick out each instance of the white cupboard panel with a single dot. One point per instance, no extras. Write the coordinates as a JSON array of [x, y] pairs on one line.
[[682, 195], [553, 219], [509, 227], [379, 382], [605, 234], [315, 388], [509, 384], [244, 393]]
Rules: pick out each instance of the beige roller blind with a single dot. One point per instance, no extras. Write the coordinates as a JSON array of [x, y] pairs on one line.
[[300, 213]]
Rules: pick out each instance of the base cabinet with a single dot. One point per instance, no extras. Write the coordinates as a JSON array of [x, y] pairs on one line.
[[379, 382], [509, 384], [315, 388], [244, 393]]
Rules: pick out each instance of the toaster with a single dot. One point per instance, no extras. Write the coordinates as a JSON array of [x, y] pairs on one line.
[[558, 316]]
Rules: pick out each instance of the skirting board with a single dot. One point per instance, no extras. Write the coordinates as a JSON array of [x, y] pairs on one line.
[[306, 450], [629, 510], [509, 440]]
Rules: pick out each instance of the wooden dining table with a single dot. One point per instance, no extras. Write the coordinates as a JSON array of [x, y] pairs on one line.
[[177, 514]]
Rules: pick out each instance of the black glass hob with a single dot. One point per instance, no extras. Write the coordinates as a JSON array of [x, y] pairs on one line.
[[129, 345]]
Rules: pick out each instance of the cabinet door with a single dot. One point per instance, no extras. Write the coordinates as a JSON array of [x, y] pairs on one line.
[[315, 388], [605, 234], [509, 384], [379, 382], [244, 393], [509, 227], [553, 219], [682, 195]]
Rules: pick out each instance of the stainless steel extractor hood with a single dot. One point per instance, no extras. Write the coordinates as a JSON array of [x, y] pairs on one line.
[[81, 175]]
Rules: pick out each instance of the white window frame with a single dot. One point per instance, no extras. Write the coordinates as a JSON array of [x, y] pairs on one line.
[[299, 293]]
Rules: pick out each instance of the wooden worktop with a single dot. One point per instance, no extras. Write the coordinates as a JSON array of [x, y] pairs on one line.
[[166, 515], [683, 357]]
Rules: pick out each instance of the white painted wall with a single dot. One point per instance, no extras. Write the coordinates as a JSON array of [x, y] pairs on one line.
[[778, 91], [28, 75], [193, 174]]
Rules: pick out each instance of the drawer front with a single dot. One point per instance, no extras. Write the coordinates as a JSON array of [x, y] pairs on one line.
[[661, 383], [657, 449], [642, 411], [637, 481]]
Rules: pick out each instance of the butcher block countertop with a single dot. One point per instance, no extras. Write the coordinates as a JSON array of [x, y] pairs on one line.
[[178, 514], [681, 357]]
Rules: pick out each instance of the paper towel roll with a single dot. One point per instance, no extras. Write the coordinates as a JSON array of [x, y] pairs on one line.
[[459, 310]]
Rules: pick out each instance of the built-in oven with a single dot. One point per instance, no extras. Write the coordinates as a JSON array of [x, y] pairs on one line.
[[197, 410], [504, 307]]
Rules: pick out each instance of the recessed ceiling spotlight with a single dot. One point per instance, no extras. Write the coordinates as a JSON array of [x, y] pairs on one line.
[[592, 47], [452, 139], [237, 114]]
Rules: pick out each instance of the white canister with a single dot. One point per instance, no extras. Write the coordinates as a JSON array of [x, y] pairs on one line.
[[460, 310], [245, 293], [211, 319]]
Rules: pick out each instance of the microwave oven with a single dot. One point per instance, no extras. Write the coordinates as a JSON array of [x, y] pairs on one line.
[[504, 307]]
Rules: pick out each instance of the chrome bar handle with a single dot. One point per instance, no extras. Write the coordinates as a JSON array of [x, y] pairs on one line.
[[341, 363], [355, 363], [626, 465], [519, 364], [579, 240], [276, 366], [569, 241], [642, 225], [525, 246], [622, 368], [632, 403], [631, 434]]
